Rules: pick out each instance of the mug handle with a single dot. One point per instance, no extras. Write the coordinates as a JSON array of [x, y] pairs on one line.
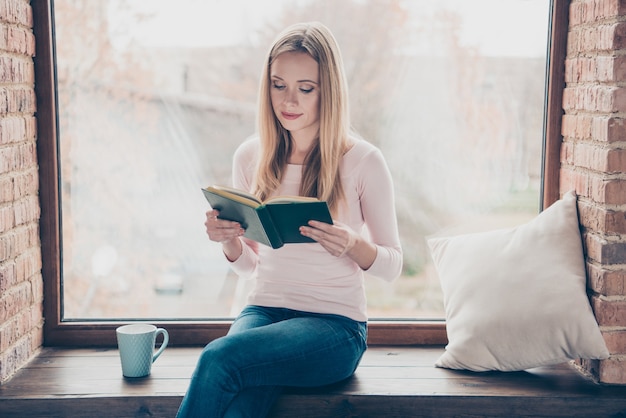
[[166, 339]]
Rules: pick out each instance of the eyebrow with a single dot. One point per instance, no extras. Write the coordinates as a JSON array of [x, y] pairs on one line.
[[297, 81]]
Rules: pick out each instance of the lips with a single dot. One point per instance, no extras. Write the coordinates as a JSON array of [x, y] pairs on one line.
[[290, 116]]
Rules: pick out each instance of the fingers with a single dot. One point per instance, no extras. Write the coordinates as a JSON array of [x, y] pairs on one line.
[[336, 239], [221, 230]]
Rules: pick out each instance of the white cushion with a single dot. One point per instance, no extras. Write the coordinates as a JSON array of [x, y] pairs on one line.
[[516, 298]]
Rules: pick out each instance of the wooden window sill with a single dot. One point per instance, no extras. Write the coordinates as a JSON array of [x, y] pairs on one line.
[[390, 382]]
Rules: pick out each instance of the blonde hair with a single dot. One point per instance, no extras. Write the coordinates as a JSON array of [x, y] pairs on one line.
[[320, 175]]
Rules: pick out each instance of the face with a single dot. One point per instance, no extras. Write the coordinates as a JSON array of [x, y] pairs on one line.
[[295, 93]]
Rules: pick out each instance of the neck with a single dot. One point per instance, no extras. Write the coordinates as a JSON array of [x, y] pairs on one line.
[[300, 147]]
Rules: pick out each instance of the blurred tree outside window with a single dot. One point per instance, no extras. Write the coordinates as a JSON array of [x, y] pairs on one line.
[[155, 96]]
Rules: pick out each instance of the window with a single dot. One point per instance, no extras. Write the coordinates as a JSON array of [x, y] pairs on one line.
[[140, 121]]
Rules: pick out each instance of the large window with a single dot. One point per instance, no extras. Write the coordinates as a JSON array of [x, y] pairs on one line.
[[154, 96]]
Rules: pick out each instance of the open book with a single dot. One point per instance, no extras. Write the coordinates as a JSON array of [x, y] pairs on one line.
[[275, 222]]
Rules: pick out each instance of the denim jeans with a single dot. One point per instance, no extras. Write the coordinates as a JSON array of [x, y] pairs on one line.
[[242, 374]]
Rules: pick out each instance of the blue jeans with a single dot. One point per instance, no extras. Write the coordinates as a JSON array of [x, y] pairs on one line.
[[242, 373]]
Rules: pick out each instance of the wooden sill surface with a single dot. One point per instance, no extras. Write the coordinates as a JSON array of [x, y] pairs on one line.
[[390, 382]]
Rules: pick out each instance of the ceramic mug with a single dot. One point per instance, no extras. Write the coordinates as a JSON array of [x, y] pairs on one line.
[[136, 345]]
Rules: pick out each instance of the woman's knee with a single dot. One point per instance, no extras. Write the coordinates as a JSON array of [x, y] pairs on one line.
[[214, 362]]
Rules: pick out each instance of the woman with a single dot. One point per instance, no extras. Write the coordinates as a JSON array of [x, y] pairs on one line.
[[305, 322]]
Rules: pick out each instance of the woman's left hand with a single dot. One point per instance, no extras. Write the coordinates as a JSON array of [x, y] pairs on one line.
[[338, 239]]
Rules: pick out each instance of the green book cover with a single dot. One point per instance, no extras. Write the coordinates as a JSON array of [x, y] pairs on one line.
[[275, 222]]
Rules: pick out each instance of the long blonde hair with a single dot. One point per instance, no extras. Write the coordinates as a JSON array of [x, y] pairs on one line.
[[320, 176]]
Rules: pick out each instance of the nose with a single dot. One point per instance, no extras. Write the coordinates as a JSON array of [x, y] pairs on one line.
[[291, 97]]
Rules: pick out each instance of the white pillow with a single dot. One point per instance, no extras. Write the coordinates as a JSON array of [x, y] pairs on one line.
[[516, 298]]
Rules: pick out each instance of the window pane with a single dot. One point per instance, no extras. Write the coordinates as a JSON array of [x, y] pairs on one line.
[[155, 96]]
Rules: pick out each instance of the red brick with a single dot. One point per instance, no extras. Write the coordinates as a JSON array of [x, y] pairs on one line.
[[576, 10], [570, 179], [584, 125], [567, 153], [5, 247], [12, 129], [617, 101], [35, 336], [36, 316], [616, 161], [31, 232], [602, 68], [613, 370], [589, 367], [15, 357], [595, 98], [570, 70], [568, 126], [594, 38], [6, 189], [14, 300], [619, 36], [7, 218], [30, 132], [605, 35], [8, 278], [581, 69], [592, 244], [588, 11], [609, 191], [25, 184], [595, 186], [587, 155], [600, 219], [619, 68], [598, 158], [608, 129], [19, 41], [609, 313], [22, 240], [17, 328], [16, 70], [603, 251], [28, 265], [16, 40], [574, 37], [569, 98], [615, 341], [14, 242], [17, 100], [26, 210], [37, 289], [577, 126], [605, 281], [20, 157], [14, 11]]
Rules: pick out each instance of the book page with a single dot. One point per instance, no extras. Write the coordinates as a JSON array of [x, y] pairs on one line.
[[290, 199], [235, 194]]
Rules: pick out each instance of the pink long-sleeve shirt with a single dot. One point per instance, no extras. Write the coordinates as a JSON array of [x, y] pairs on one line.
[[305, 276]]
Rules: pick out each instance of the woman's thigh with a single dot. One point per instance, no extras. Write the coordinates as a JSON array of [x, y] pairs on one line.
[[303, 350], [254, 317]]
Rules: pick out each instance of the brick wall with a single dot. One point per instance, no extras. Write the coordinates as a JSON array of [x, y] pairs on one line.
[[21, 285], [593, 161]]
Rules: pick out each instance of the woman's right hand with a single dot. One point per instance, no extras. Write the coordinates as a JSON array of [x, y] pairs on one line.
[[226, 232], [221, 230]]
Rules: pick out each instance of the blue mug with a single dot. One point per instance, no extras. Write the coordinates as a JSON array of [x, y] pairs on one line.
[[136, 345]]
